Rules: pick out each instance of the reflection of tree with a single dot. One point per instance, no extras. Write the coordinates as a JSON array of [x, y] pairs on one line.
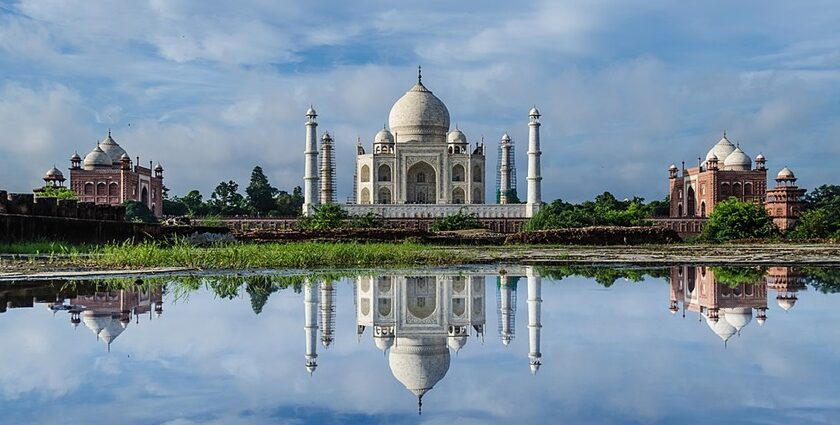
[[259, 289], [737, 276], [605, 276], [823, 279]]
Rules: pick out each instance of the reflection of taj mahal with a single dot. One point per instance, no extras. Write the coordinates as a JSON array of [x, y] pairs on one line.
[[728, 309], [418, 320], [417, 167]]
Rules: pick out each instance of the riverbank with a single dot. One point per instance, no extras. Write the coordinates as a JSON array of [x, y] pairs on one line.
[[316, 255]]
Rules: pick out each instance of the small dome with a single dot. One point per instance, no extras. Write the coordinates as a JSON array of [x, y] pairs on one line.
[[75, 157], [311, 112], [419, 115], [722, 328], [97, 158], [672, 167], [383, 342], [326, 136], [739, 317], [785, 174], [125, 157], [760, 158], [722, 149], [457, 342], [54, 174], [786, 303], [738, 161], [457, 136], [534, 112], [384, 136], [111, 147], [158, 167], [505, 137], [760, 320]]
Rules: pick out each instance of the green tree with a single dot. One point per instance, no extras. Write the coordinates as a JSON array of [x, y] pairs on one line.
[[226, 200], [289, 205], [175, 206], [327, 216], [138, 212], [259, 288], [194, 202], [813, 224], [733, 219], [458, 221], [56, 192], [260, 193]]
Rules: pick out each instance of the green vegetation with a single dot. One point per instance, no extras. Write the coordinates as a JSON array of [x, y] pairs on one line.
[[458, 221], [733, 219], [605, 210], [367, 221], [244, 255], [737, 276], [138, 212], [260, 199], [821, 215], [605, 276], [56, 192], [327, 216]]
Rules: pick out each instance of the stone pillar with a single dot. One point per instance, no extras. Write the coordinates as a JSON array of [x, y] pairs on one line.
[[310, 174], [534, 175], [534, 316], [504, 170], [310, 324]]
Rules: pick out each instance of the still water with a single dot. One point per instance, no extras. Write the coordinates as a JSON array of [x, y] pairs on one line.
[[521, 345]]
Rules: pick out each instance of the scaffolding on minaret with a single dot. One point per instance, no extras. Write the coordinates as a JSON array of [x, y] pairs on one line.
[[506, 306], [359, 151], [326, 313], [327, 170], [512, 198]]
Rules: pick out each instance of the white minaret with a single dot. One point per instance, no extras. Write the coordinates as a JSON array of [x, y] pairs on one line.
[[534, 312], [534, 177], [310, 324], [326, 313], [327, 170], [504, 170], [507, 309], [310, 174]]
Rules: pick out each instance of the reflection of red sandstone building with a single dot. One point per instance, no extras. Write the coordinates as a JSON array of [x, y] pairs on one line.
[[728, 310], [108, 176], [725, 173]]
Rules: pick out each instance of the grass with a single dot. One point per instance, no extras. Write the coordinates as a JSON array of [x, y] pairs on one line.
[[240, 255]]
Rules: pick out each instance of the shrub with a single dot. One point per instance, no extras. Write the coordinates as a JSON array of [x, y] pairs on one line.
[[733, 219], [56, 192], [327, 216], [458, 221], [368, 220], [138, 212]]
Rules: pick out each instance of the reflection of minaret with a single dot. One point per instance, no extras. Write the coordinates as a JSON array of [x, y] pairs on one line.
[[534, 313], [326, 313], [310, 324], [507, 307]]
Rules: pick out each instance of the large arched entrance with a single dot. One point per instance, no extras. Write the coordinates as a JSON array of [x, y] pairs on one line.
[[144, 196], [691, 202], [421, 185]]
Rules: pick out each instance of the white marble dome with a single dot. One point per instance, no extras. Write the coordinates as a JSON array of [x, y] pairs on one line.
[[457, 342], [54, 174], [722, 327], [419, 115], [384, 342], [786, 303], [456, 136], [785, 174], [739, 317], [737, 160], [419, 363], [114, 150], [721, 149], [97, 158], [384, 136]]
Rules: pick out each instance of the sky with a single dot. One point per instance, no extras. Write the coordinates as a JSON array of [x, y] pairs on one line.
[[612, 355], [211, 88]]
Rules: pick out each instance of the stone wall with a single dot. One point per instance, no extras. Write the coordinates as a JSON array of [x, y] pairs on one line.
[[24, 218], [242, 225]]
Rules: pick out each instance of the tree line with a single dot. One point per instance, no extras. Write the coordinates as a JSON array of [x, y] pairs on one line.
[[260, 199]]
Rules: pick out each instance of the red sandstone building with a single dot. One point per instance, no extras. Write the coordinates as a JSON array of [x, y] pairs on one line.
[[725, 173], [108, 176]]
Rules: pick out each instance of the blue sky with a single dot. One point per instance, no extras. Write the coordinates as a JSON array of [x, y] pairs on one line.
[[210, 89]]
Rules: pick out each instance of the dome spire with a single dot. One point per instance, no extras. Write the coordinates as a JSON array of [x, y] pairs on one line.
[[419, 75], [420, 404]]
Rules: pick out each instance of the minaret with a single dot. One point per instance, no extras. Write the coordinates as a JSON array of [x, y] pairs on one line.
[[326, 313], [310, 175], [504, 169], [310, 324], [534, 177], [507, 309], [534, 315], [327, 170]]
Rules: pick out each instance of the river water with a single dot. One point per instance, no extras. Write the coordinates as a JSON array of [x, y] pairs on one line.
[[515, 345]]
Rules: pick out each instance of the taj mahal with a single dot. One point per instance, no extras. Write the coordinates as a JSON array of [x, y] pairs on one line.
[[419, 167]]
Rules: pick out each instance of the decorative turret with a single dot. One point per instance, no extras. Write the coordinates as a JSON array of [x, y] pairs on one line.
[[125, 162], [159, 171], [383, 142], [760, 162], [54, 177], [457, 142], [75, 161], [712, 163], [672, 171]]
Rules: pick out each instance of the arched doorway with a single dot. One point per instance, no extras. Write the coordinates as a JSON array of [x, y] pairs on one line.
[[458, 173], [691, 203], [458, 196], [365, 175], [476, 196], [384, 173], [421, 187], [384, 196], [144, 196], [365, 196]]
